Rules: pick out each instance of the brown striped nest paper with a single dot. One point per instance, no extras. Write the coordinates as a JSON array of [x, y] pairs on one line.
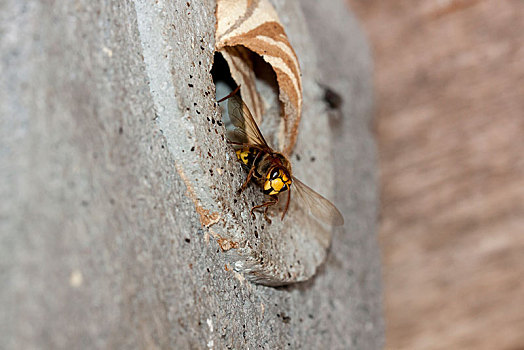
[[253, 25]]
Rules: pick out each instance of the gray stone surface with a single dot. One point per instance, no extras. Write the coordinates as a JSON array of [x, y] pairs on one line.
[[101, 245]]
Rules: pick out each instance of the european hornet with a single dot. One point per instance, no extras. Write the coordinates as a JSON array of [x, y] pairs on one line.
[[269, 169]]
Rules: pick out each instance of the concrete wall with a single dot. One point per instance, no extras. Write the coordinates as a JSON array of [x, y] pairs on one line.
[[110, 217]]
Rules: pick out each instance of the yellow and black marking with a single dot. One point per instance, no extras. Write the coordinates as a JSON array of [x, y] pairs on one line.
[[251, 157], [273, 179], [277, 181], [247, 155]]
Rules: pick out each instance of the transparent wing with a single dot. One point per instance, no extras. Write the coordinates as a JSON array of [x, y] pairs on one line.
[[246, 129], [320, 207]]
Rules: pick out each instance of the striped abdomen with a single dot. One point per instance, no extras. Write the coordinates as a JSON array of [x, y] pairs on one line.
[[252, 157]]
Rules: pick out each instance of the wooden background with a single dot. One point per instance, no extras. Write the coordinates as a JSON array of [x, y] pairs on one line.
[[450, 126]]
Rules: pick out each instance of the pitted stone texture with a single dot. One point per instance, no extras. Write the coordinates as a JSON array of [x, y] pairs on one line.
[[100, 242]]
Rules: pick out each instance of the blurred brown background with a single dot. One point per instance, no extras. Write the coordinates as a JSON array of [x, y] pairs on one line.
[[449, 80]]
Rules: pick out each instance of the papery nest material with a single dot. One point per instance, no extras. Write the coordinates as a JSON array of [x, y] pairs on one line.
[[251, 25]]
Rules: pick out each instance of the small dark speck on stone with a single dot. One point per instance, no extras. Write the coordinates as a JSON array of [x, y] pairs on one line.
[[298, 157], [120, 130], [188, 4], [332, 98], [208, 270], [199, 63], [85, 203], [193, 149], [209, 154], [187, 240], [213, 120], [202, 48], [234, 200], [190, 85], [197, 111], [313, 159], [190, 76], [194, 103], [162, 146]]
